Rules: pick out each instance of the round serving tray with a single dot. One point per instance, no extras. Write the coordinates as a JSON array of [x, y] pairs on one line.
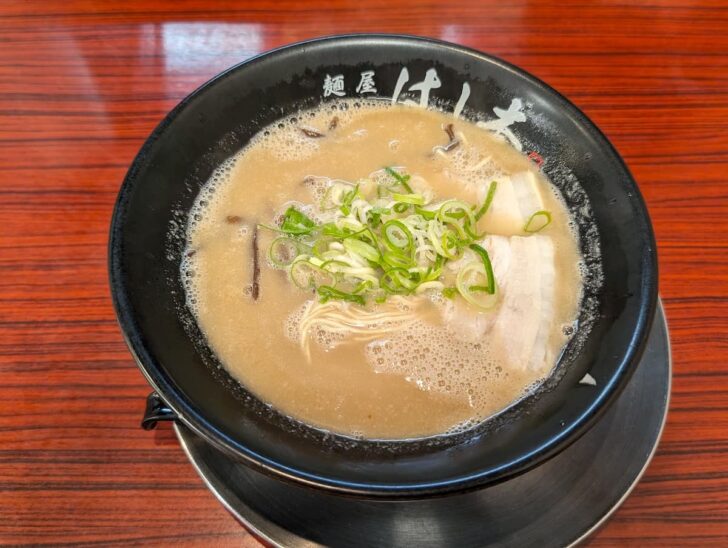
[[558, 503]]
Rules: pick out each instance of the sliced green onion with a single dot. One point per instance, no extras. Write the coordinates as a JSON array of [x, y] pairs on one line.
[[488, 200], [295, 222], [307, 275], [450, 248], [473, 235], [400, 207], [326, 293], [357, 285], [414, 199], [283, 251], [453, 212], [439, 263], [368, 236], [363, 249], [432, 274], [352, 225], [434, 233], [331, 229], [364, 274], [374, 215], [349, 197], [392, 279], [363, 286], [487, 265], [397, 236], [538, 221], [401, 179], [321, 246], [331, 198], [395, 259], [426, 286], [405, 279], [425, 213], [449, 292], [469, 277]]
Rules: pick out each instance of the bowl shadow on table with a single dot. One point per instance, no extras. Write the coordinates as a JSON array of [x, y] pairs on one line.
[[410, 521], [164, 435]]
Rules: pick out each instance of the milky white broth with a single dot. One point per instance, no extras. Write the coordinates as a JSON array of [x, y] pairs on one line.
[[448, 366]]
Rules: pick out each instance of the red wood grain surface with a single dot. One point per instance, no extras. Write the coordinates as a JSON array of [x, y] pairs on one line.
[[82, 83]]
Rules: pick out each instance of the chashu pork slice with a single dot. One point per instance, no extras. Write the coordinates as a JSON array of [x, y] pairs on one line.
[[518, 328], [516, 199]]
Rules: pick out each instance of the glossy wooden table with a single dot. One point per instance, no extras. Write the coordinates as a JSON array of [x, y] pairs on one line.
[[83, 83]]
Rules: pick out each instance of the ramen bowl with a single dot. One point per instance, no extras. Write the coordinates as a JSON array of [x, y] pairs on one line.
[[147, 241]]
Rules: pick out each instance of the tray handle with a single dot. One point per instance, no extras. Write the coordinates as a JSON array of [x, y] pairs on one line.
[[156, 410]]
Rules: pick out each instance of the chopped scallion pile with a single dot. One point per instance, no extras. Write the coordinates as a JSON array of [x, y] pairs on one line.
[[387, 240]]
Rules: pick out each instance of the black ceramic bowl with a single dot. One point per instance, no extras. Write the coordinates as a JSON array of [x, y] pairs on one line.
[[147, 239]]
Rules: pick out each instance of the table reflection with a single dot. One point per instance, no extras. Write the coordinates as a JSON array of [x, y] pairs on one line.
[[194, 47]]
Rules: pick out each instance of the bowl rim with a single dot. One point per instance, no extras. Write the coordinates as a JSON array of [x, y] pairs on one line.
[[192, 417]]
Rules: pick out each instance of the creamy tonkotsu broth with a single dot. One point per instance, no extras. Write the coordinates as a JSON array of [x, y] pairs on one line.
[[439, 344]]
